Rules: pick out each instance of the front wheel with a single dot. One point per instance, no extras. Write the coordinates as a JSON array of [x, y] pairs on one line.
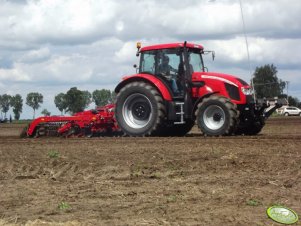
[[139, 109], [217, 116]]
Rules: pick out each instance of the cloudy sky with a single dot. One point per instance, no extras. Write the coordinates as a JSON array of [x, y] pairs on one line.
[[49, 46]]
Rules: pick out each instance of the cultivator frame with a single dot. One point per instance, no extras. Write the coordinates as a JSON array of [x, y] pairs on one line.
[[89, 123]]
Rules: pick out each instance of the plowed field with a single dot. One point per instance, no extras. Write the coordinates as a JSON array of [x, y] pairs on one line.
[[192, 180]]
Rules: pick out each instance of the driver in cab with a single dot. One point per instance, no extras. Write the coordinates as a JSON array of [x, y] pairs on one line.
[[165, 69]]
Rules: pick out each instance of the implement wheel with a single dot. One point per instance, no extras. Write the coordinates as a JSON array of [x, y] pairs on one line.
[[217, 116], [139, 109]]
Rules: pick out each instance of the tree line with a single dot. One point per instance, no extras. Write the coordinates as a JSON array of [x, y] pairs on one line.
[[73, 101], [265, 82]]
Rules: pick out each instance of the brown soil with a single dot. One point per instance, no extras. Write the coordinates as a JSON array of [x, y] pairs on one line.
[[191, 180]]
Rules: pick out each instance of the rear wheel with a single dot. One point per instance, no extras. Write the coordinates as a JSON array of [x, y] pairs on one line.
[[217, 116], [286, 114], [139, 109]]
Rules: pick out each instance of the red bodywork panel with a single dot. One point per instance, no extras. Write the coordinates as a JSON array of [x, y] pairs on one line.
[[171, 46], [215, 83], [148, 78]]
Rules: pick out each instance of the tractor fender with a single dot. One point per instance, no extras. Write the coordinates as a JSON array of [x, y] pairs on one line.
[[151, 79]]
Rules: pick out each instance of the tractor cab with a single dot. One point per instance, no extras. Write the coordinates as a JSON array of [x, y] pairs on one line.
[[172, 64]]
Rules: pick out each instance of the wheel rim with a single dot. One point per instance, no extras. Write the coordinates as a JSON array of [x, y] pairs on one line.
[[214, 117], [137, 111]]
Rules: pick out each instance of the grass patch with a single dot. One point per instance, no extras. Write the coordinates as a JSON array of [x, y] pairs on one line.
[[253, 202], [63, 206], [172, 198], [53, 154]]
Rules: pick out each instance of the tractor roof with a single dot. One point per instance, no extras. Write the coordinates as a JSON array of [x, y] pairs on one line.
[[171, 46]]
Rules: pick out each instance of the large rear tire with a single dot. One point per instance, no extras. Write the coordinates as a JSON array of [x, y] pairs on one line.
[[139, 109], [217, 116]]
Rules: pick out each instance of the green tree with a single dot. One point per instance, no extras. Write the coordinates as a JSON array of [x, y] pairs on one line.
[[113, 97], [87, 98], [60, 102], [293, 101], [77, 100], [34, 100], [102, 97], [5, 103], [266, 82], [17, 105], [45, 112]]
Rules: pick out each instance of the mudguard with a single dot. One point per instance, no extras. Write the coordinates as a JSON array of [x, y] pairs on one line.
[[158, 84]]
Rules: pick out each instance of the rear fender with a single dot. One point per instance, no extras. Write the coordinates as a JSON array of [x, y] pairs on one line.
[[151, 79]]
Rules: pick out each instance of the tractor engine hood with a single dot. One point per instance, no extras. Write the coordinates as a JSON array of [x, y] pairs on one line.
[[219, 77]]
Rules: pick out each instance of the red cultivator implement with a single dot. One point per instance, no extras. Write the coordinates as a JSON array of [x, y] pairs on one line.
[[87, 123]]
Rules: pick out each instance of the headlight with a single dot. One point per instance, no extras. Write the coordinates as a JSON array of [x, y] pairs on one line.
[[247, 91]]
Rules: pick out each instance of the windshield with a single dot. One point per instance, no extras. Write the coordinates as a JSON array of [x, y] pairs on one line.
[[151, 60], [196, 61]]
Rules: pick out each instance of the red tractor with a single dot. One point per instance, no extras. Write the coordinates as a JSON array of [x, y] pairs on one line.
[[171, 91]]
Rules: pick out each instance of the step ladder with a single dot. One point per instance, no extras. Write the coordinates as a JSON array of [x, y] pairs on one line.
[[180, 112]]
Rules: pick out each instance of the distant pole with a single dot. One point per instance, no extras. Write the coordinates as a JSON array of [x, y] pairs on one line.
[[287, 89], [247, 46]]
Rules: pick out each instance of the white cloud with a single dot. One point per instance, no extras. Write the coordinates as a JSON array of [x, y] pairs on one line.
[[36, 55], [126, 52], [15, 74], [59, 21]]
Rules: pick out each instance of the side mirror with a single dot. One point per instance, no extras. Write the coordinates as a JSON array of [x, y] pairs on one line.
[[136, 67], [212, 53]]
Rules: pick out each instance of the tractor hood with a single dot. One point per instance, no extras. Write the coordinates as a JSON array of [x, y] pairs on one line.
[[230, 79]]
